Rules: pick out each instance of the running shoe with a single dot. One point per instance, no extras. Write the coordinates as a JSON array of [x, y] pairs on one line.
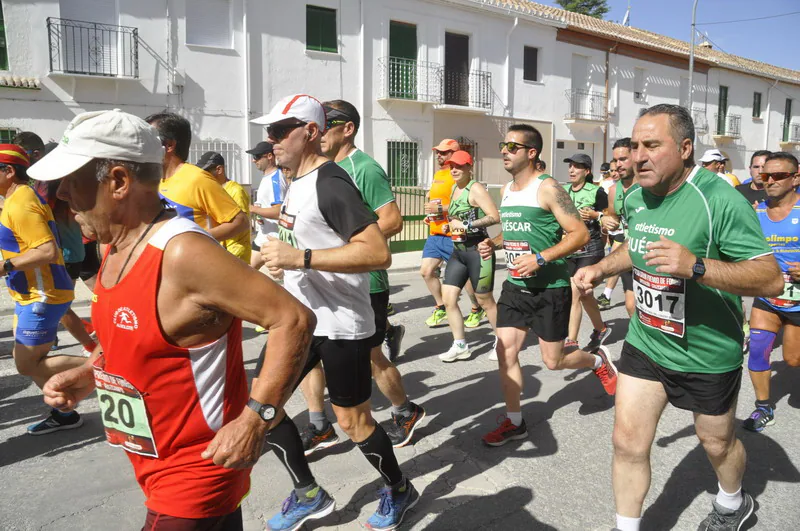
[[438, 317], [474, 318], [504, 433], [390, 309], [746, 332], [570, 344], [392, 507], [759, 419], [393, 339], [493, 353], [456, 353], [54, 346], [607, 372], [603, 302], [314, 440], [294, 513], [56, 421], [261, 330], [723, 519], [597, 338], [402, 429]]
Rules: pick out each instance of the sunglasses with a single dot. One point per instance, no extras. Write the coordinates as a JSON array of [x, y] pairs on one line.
[[777, 176], [279, 132], [333, 123], [513, 147]]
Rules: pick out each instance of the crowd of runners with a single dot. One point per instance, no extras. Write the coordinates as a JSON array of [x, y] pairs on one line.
[[117, 205]]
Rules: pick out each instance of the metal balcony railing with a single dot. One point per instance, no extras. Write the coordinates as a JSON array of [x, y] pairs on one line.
[[792, 133], [728, 125], [469, 89], [586, 105], [94, 49], [409, 79]]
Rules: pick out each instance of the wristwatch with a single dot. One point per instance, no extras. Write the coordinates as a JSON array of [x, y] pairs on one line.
[[698, 269], [307, 259], [8, 266], [540, 260], [267, 412]]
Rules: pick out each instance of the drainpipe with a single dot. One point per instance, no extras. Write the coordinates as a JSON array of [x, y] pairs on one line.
[[608, 125], [246, 121], [769, 101], [508, 80], [366, 124]]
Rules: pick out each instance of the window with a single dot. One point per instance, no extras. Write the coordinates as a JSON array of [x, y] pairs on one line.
[[403, 162], [581, 146], [787, 119], [208, 23], [3, 47], [560, 145], [756, 105], [722, 108], [321, 29], [638, 84], [531, 64], [7, 135]]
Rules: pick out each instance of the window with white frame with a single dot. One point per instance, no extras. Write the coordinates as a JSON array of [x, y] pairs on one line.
[[208, 23]]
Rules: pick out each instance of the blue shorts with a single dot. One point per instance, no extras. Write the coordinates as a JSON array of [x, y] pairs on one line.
[[438, 246], [36, 324]]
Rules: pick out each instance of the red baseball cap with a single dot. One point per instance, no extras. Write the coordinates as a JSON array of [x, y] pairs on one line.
[[13, 154], [460, 158], [448, 144]]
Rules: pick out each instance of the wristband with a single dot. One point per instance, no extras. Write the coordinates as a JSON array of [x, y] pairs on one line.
[[307, 259]]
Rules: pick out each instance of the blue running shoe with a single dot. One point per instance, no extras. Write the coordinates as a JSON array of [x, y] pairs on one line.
[[294, 513], [392, 508], [56, 421]]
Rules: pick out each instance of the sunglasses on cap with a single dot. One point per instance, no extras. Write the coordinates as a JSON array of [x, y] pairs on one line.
[[777, 176], [513, 147], [333, 123], [281, 131]]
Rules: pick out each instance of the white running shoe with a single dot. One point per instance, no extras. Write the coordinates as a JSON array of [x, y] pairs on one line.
[[455, 353], [493, 353]]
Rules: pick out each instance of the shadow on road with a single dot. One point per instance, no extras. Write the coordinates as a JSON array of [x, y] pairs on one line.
[[24, 446]]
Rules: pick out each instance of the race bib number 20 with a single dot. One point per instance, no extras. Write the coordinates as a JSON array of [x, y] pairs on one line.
[[660, 302]]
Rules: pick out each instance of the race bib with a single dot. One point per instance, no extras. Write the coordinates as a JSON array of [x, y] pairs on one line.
[[790, 296], [660, 302], [514, 249], [124, 414], [458, 235]]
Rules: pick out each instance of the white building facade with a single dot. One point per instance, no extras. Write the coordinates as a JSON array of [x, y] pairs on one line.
[[417, 70]]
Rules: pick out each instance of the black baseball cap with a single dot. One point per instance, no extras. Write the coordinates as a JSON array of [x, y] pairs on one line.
[[261, 149], [605, 167], [580, 158], [336, 114], [210, 159]]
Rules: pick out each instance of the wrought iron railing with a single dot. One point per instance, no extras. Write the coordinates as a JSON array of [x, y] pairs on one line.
[[586, 105], [729, 125], [469, 89], [91, 48], [792, 133]]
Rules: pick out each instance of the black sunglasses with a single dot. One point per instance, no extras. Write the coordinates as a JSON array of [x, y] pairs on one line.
[[513, 147], [281, 131]]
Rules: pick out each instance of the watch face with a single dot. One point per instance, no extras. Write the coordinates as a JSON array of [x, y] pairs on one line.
[[699, 269], [268, 413]]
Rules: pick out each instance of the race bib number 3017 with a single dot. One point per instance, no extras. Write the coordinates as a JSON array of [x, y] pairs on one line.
[[660, 302], [124, 414]]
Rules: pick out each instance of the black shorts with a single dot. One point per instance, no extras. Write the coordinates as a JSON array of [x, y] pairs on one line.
[[74, 270], [379, 301], [545, 311], [792, 318], [91, 262], [466, 264], [576, 263], [347, 366], [161, 522], [617, 238], [627, 280], [707, 394]]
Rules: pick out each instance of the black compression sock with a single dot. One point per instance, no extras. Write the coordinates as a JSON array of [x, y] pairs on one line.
[[285, 440], [377, 448]]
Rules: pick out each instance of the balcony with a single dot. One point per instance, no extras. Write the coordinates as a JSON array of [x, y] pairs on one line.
[[585, 106], [424, 82], [791, 136], [727, 127], [80, 48]]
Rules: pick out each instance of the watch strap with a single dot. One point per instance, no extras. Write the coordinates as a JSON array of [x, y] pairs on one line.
[[307, 259]]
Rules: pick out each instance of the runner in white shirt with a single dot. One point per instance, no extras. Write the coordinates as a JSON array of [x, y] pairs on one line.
[[267, 206]]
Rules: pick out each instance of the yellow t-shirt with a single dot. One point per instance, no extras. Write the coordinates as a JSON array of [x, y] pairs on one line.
[[195, 195], [27, 222], [240, 245], [441, 188]]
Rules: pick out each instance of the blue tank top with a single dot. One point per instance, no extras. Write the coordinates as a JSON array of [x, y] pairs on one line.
[[784, 239]]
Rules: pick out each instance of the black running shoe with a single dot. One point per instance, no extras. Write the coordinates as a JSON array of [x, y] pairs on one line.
[[314, 440], [723, 519], [394, 337], [759, 419], [402, 428], [603, 302]]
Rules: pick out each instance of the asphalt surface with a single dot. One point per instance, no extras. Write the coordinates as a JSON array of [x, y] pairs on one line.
[[559, 478]]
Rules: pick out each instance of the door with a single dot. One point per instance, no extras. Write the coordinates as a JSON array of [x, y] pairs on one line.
[[456, 69], [567, 148], [684, 93], [579, 95], [402, 60], [88, 36], [722, 109]]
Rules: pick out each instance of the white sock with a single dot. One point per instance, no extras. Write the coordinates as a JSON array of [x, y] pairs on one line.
[[730, 501], [607, 292], [515, 418], [626, 523], [460, 343], [598, 361]]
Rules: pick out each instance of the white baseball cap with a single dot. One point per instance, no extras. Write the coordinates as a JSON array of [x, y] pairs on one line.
[[100, 135], [300, 107], [711, 155]]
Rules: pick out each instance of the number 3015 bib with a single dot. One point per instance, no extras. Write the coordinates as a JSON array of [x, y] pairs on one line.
[[514, 249], [124, 414], [660, 302]]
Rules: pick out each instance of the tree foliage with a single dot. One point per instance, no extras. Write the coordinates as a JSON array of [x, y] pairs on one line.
[[593, 8]]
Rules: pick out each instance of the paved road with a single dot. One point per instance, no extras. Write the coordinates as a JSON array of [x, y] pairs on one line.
[[559, 478]]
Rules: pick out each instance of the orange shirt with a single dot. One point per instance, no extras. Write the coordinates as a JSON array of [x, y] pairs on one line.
[[441, 188]]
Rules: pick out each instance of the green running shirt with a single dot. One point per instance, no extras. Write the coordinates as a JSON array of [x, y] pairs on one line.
[[461, 209]]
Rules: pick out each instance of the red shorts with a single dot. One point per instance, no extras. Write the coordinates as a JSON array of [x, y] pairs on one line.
[[162, 522]]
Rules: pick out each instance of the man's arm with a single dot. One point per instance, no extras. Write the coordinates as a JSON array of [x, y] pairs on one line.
[[273, 212], [46, 253], [231, 229], [390, 221], [618, 261], [554, 198]]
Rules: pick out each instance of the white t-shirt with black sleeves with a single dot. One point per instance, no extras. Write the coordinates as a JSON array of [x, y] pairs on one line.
[[323, 210]]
